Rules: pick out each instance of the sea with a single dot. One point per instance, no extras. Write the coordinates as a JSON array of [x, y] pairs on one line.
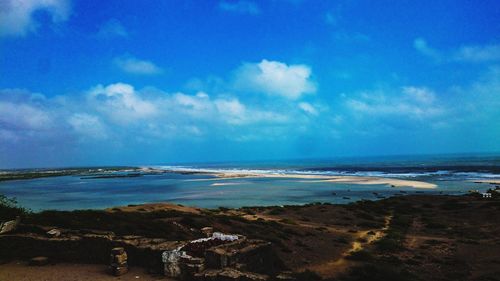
[[185, 183]]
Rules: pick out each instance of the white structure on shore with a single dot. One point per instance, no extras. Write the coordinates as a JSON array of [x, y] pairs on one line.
[[486, 195]]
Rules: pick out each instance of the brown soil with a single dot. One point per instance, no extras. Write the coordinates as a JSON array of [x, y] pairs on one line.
[[19, 271], [154, 207]]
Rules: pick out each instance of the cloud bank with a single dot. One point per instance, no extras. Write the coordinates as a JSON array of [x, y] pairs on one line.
[[122, 117], [16, 16]]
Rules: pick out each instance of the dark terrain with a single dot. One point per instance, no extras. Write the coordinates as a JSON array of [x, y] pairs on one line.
[[413, 237]]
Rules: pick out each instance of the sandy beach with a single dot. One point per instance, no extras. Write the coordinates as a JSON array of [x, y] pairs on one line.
[[362, 180]]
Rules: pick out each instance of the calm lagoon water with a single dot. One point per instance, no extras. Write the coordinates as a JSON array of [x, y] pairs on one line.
[[74, 192], [452, 176]]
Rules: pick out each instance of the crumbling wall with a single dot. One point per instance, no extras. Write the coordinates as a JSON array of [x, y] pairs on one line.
[[93, 250], [171, 260], [250, 255]]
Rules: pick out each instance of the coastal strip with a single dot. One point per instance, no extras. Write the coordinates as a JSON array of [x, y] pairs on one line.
[[362, 180]]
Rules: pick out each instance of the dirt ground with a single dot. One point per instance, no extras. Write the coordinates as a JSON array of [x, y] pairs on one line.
[[20, 271]]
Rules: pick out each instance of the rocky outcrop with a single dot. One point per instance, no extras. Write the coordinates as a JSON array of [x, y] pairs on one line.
[[9, 226], [118, 261]]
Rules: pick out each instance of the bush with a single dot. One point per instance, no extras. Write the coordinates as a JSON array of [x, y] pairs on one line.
[[9, 208], [276, 211]]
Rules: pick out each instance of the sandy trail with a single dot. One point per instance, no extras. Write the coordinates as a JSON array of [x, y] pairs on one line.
[[335, 266]]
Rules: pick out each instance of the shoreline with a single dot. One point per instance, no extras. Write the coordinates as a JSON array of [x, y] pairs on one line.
[[362, 180]]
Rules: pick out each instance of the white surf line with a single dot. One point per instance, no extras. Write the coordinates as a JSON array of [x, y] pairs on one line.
[[225, 183]]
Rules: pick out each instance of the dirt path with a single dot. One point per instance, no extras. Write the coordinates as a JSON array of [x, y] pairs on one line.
[[335, 266]]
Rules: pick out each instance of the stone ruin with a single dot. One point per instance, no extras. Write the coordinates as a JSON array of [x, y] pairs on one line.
[[118, 261], [218, 257]]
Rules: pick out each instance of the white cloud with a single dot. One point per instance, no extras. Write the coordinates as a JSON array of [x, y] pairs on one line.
[[16, 16], [276, 79], [308, 108], [121, 102], [471, 53], [420, 95], [23, 117], [112, 28], [88, 125], [137, 66], [478, 53], [198, 105], [120, 114], [232, 110], [421, 45], [411, 102], [244, 7]]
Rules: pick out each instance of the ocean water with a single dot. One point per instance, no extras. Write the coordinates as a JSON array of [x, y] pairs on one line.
[[453, 175]]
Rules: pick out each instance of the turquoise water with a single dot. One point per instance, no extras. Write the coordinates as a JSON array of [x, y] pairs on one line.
[[79, 192], [73, 192]]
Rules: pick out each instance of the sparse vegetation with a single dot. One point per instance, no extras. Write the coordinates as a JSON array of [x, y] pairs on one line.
[[10, 209]]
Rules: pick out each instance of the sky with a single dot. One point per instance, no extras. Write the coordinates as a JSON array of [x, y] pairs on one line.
[[88, 82]]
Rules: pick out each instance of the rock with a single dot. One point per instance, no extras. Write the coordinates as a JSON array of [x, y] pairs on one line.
[[118, 271], [171, 263], [39, 261], [208, 231], [189, 270], [285, 276], [53, 233], [117, 251], [230, 274], [9, 226], [118, 261]]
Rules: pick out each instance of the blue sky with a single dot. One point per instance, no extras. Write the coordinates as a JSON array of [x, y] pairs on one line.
[[140, 82]]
